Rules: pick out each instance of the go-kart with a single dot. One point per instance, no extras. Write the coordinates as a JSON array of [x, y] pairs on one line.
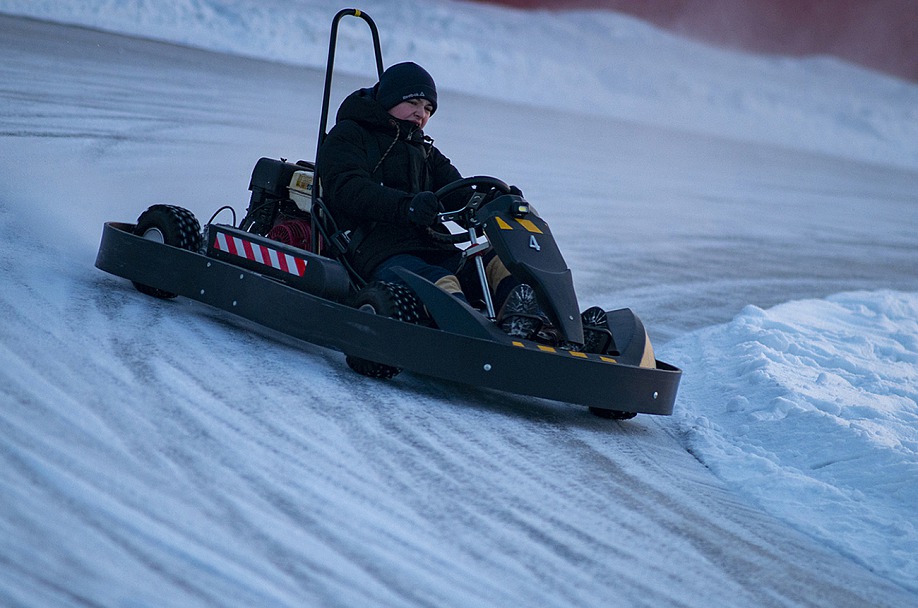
[[285, 266]]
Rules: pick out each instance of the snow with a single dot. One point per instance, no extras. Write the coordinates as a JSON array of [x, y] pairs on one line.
[[758, 213], [811, 408], [632, 71]]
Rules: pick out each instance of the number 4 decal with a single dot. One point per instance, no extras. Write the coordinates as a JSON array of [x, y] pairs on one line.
[[534, 243]]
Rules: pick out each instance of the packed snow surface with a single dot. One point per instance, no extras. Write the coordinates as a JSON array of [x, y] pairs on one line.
[[760, 214]]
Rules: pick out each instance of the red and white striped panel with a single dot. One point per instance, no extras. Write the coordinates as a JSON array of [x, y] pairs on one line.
[[260, 253]]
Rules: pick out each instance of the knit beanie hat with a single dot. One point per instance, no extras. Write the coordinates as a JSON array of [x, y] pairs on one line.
[[404, 81]]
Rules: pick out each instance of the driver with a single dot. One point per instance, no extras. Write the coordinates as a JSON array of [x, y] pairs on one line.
[[379, 172]]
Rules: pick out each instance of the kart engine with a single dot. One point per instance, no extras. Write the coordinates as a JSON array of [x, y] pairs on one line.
[[281, 193]]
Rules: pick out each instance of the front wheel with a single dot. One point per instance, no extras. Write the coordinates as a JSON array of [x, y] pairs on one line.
[[169, 225], [391, 300]]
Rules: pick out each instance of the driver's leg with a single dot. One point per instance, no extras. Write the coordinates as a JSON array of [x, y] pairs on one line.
[[498, 277], [518, 311], [439, 275]]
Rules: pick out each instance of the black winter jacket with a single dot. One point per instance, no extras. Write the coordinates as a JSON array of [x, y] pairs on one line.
[[370, 165]]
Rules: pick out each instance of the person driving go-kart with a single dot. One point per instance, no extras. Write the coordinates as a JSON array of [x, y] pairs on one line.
[[386, 184], [379, 172]]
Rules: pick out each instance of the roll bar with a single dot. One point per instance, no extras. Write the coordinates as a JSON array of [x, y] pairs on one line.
[[318, 207], [329, 68]]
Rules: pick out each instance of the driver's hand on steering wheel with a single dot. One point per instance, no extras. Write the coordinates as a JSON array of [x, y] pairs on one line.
[[422, 209]]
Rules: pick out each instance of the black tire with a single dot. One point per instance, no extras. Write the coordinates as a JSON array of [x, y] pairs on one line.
[[596, 335], [169, 225], [612, 414], [391, 300]]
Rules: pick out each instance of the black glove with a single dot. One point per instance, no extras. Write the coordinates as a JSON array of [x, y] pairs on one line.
[[516, 191], [422, 209]]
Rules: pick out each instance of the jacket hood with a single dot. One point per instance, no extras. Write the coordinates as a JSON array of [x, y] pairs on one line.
[[361, 107]]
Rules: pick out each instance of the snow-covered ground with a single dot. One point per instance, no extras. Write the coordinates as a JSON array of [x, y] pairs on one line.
[[758, 213]]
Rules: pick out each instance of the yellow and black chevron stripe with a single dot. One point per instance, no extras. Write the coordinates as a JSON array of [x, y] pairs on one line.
[[571, 353]]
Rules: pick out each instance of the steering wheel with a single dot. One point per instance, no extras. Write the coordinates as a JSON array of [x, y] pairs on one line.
[[483, 187]]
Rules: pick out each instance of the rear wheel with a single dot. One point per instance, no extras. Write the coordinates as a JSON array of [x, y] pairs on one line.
[[169, 225], [612, 414], [390, 300]]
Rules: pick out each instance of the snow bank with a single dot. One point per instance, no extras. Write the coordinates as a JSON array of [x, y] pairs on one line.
[[619, 66], [811, 410]]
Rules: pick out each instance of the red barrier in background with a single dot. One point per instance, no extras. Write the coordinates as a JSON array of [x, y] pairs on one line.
[[879, 34]]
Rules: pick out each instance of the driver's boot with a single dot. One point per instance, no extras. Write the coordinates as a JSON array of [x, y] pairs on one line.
[[520, 315]]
